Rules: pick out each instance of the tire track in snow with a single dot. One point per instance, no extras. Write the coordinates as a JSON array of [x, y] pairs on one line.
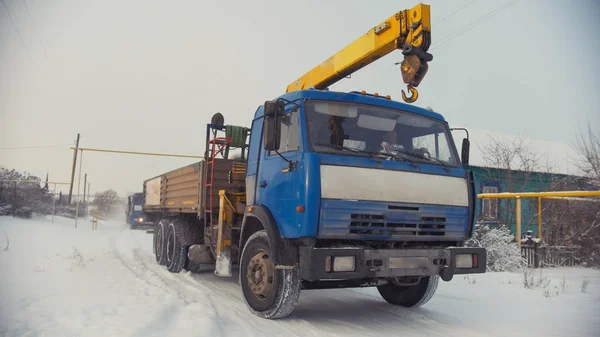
[[146, 274], [187, 294], [225, 291], [239, 318], [161, 323], [424, 320], [232, 308]]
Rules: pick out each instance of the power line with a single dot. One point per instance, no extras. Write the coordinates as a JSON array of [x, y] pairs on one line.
[[34, 147], [35, 29], [451, 14], [474, 23], [14, 25]]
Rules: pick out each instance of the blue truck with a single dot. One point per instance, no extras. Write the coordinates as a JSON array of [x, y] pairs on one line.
[[328, 190], [134, 214]]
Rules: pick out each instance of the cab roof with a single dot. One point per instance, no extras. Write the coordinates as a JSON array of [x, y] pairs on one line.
[[355, 97]]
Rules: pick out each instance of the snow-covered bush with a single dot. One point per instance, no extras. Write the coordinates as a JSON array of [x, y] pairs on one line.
[[23, 194], [502, 253], [5, 210]]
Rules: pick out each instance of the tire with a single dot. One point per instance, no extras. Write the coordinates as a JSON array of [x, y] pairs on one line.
[[159, 242], [175, 252], [275, 297], [410, 296]]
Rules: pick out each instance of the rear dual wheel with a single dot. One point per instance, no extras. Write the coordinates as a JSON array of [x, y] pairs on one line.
[[168, 250], [175, 252], [159, 242]]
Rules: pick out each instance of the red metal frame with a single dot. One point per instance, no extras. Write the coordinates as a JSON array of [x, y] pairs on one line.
[[217, 145]]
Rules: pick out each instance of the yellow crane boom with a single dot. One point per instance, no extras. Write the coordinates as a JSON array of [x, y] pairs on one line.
[[409, 30]]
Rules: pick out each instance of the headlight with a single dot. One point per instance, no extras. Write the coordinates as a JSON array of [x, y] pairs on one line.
[[340, 263], [466, 261], [343, 263]]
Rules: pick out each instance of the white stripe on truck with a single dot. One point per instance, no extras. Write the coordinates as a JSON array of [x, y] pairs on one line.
[[358, 183]]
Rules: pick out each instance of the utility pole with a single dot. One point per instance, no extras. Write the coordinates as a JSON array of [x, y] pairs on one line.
[[84, 186], [73, 170], [78, 183], [85, 207]]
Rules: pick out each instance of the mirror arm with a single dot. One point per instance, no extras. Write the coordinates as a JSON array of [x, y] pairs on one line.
[[464, 129], [289, 102], [291, 163]]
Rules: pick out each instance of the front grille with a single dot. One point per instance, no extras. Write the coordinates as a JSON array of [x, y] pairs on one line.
[[370, 220], [375, 224]]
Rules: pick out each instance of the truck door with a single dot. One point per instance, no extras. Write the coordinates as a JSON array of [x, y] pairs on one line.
[[276, 187]]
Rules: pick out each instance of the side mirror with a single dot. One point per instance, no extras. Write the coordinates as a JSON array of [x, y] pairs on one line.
[[272, 125], [466, 145]]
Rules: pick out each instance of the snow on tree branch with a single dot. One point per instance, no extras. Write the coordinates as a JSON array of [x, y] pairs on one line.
[[502, 253]]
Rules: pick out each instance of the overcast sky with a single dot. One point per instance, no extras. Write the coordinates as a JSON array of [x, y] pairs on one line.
[[148, 75]]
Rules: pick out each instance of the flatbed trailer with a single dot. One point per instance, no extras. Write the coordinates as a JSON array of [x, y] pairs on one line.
[[182, 190]]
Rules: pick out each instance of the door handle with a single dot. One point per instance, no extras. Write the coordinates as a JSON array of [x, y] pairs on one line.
[[263, 184]]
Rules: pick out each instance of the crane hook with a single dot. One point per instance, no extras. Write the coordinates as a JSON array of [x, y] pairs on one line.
[[414, 94]]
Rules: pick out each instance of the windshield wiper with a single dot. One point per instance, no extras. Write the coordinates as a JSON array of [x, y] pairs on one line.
[[420, 156], [397, 156], [341, 147]]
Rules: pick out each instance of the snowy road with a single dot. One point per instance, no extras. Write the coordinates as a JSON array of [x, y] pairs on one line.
[[57, 280]]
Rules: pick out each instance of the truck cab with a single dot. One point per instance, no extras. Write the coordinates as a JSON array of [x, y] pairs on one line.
[[353, 189], [134, 214]]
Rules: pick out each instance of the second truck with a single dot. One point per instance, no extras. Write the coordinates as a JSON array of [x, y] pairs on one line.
[[328, 189]]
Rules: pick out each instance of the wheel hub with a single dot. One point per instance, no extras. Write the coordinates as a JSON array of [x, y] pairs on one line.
[[260, 274]]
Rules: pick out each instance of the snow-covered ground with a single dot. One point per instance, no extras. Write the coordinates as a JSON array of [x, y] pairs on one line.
[[57, 280]]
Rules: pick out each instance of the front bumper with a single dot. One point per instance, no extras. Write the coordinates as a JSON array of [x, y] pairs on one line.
[[384, 263]]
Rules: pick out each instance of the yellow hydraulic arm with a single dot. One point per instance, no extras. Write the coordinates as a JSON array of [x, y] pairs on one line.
[[409, 30]]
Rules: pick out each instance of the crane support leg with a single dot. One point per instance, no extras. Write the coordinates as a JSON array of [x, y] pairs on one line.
[[223, 261]]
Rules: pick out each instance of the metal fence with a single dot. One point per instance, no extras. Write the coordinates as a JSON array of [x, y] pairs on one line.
[[538, 256]]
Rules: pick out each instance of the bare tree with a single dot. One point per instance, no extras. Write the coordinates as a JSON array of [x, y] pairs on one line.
[[588, 147], [577, 223], [105, 201], [513, 155], [514, 166]]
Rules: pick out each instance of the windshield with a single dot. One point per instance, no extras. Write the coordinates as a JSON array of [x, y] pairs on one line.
[[395, 134]]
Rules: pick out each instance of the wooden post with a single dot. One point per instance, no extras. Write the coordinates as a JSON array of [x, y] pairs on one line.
[[87, 209], [73, 169]]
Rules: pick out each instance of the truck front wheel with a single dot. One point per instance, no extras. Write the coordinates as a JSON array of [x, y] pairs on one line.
[[269, 293], [410, 296]]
